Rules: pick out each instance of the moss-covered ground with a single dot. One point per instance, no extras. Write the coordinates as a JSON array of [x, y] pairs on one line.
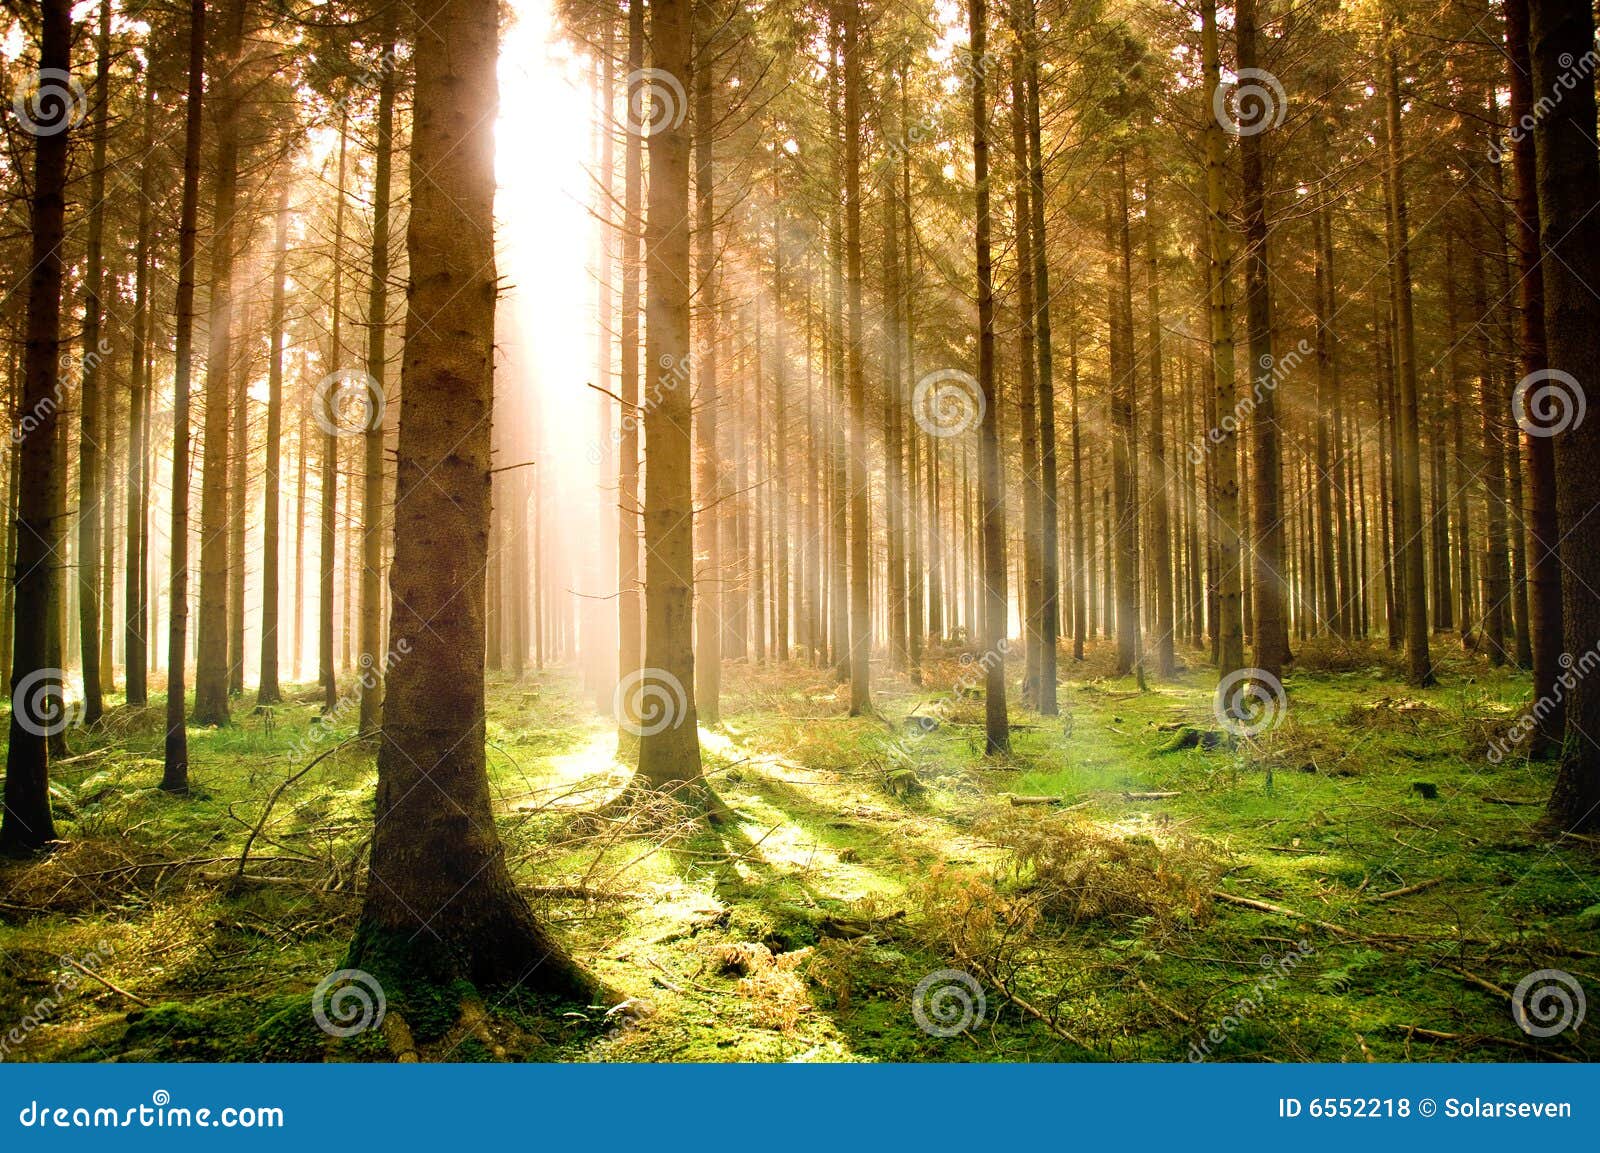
[[1403, 883]]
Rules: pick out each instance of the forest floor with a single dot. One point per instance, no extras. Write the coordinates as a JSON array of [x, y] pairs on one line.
[[1403, 884]]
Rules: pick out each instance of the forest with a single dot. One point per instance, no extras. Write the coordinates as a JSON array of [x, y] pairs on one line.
[[799, 530]]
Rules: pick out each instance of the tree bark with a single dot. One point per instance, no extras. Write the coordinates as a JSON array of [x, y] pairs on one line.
[[440, 903], [1562, 35], [37, 692], [997, 729], [175, 770]]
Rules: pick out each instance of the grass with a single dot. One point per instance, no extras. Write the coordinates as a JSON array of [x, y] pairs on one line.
[[865, 855]]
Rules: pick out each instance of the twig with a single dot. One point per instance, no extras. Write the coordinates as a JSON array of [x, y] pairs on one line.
[[1407, 890], [244, 854], [88, 972], [1475, 1038], [1281, 911]]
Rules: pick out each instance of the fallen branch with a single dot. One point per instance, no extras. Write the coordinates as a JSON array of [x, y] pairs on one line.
[[1476, 1038], [1409, 889], [1281, 911], [244, 854], [1149, 796], [88, 972]]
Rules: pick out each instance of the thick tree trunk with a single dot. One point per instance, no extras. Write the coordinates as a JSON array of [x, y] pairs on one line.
[[38, 696], [1569, 231], [441, 903], [211, 666], [1271, 632], [1545, 598], [669, 744], [1419, 665]]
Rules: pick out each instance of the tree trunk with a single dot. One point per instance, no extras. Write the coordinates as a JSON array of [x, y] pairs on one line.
[[136, 657], [211, 666], [328, 400], [91, 514], [1032, 600], [175, 771], [860, 540], [669, 745], [37, 692], [997, 729], [267, 691], [441, 904], [372, 513], [1419, 665], [1569, 187], [629, 638], [1544, 584], [1221, 437], [708, 607]]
